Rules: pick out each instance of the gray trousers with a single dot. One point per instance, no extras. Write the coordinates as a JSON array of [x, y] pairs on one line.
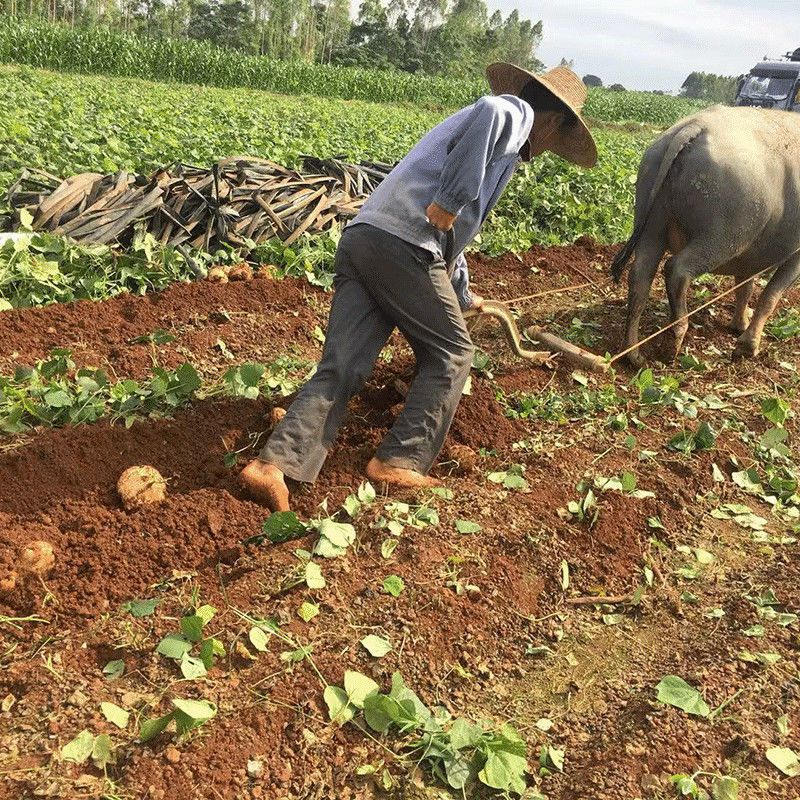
[[381, 283]]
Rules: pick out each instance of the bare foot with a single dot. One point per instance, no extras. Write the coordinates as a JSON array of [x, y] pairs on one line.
[[407, 478], [266, 484]]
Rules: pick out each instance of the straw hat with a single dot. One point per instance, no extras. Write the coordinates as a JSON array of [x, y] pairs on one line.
[[576, 143]]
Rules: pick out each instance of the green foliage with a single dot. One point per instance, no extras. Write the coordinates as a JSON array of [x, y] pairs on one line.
[[43, 269], [459, 46], [53, 394], [178, 646], [689, 441], [187, 715], [710, 88], [67, 124], [561, 408], [456, 751], [785, 325], [630, 106], [676, 692], [281, 377]]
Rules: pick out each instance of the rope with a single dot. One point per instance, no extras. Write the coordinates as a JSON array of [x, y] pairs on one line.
[[547, 292], [672, 324], [652, 336]]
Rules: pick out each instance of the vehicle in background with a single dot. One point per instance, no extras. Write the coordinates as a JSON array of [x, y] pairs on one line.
[[772, 84]]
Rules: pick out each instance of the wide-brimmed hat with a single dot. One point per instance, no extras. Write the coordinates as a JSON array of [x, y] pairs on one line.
[[575, 142]]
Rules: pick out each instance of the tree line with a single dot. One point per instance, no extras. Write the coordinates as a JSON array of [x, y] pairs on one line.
[[437, 37]]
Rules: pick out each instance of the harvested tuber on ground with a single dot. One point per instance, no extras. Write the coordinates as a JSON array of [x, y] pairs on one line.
[[240, 272], [37, 558], [465, 457], [276, 415], [217, 275], [141, 486]]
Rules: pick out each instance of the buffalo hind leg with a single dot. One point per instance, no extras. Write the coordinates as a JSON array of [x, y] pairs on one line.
[[742, 314], [640, 280], [784, 276], [678, 276]]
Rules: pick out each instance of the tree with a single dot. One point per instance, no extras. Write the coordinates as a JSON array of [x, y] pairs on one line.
[[592, 81], [707, 86], [617, 87]]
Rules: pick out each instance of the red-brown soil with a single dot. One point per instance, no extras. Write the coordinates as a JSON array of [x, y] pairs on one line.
[[464, 649]]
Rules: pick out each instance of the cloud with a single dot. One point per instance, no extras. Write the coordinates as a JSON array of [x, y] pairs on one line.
[[656, 45]]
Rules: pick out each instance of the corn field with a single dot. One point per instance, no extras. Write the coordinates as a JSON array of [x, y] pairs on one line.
[[102, 52]]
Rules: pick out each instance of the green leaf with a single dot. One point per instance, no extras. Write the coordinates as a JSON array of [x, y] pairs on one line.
[[141, 608], [466, 526], [339, 708], [259, 639], [393, 585], [102, 751], [388, 546], [443, 492], [251, 374], [58, 398], [340, 534], [676, 692], [199, 710], [209, 650], [516, 482], [366, 493], [282, 526], [190, 380], [173, 646], [192, 668], [152, 727], [114, 669], [79, 749], [465, 734], [114, 714], [458, 769], [775, 410], [724, 787], [380, 711], [754, 631], [785, 759], [192, 627], [313, 576], [308, 611], [358, 687], [376, 646], [205, 613]]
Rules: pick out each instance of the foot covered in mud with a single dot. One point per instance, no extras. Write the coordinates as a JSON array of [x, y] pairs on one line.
[[407, 478], [265, 482]]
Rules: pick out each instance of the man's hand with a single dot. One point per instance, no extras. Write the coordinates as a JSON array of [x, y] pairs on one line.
[[477, 303], [439, 218]]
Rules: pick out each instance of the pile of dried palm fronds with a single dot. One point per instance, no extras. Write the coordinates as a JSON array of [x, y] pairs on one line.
[[238, 200]]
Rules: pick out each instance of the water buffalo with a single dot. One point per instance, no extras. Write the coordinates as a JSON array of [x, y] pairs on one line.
[[721, 191]]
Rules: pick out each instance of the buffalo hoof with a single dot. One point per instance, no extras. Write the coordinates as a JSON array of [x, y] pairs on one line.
[[636, 359], [745, 348], [739, 326]]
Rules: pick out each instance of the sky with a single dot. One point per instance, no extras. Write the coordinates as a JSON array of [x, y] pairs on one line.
[[655, 44]]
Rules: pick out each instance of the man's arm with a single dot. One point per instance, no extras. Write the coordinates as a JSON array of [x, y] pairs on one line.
[[460, 280], [496, 126]]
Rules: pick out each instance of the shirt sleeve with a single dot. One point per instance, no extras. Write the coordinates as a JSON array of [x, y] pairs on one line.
[[496, 127], [460, 281]]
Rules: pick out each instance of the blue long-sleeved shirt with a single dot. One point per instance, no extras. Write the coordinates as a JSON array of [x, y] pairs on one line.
[[462, 165]]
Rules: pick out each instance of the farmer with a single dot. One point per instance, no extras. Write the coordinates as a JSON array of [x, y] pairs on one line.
[[395, 268]]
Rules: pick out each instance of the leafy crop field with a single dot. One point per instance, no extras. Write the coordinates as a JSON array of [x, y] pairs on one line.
[[600, 601], [187, 61], [70, 124]]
